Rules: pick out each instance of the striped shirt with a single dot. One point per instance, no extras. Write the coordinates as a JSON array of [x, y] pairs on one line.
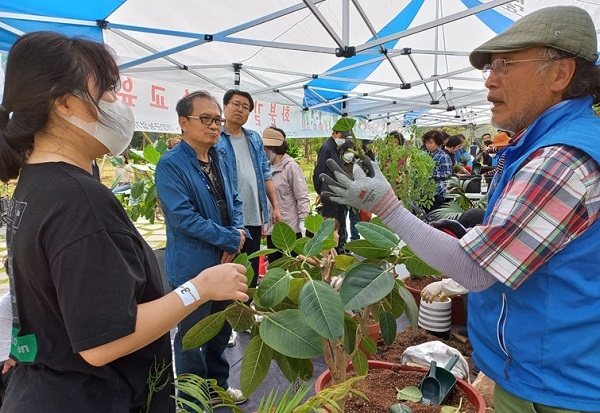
[[551, 200]]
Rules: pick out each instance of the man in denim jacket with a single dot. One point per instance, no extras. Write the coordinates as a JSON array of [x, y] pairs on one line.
[[203, 214], [248, 168]]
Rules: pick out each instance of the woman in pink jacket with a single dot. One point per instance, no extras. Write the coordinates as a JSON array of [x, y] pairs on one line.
[[290, 185]]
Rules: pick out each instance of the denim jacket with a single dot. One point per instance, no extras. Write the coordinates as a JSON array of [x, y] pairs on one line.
[[196, 238], [259, 160]]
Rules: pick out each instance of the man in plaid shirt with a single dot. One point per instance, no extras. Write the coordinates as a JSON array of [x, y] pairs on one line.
[[533, 267]]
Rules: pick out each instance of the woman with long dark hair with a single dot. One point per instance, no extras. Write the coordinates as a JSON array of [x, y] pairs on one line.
[[91, 318]]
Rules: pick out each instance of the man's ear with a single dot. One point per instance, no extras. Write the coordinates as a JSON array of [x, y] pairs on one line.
[[564, 71], [183, 121]]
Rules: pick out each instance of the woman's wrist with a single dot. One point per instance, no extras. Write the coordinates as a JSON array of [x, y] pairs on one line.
[[188, 293]]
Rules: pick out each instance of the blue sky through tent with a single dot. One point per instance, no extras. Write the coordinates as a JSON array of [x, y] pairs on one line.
[[401, 22]]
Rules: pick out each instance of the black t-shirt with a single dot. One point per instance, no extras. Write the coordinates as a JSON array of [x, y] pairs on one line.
[[79, 268]]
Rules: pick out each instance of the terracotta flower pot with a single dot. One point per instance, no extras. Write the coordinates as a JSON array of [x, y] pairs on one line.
[[472, 394], [459, 315]]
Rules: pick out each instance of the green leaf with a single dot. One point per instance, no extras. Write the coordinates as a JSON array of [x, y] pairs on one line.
[[151, 154], [378, 235], [315, 245], [451, 409], [410, 393], [285, 366], [360, 363], [151, 194], [160, 146], [344, 124], [288, 333], [300, 244], [350, 328], [364, 285], [255, 365], [295, 288], [202, 390], [387, 323], [369, 345], [410, 305], [203, 331], [262, 251], [239, 318], [365, 249], [135, 213], [396, 302], [322, 309], [328, 244], [400, 408], [313, 222], [242, 259], [303, 367], [282, 262], [274, 287], [283, 236], [345, 261], [416, 265], [137, 189]]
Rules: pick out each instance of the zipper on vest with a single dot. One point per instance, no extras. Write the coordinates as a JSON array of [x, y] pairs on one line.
[[501, 333]]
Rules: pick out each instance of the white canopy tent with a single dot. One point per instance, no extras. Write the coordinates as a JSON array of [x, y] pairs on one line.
[[389, 63]]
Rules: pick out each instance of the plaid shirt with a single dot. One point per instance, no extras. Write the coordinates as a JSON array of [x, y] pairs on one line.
[[442, 170], [551, 200]]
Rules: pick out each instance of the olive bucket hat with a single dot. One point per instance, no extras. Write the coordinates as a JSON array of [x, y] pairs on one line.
[[565, 28]]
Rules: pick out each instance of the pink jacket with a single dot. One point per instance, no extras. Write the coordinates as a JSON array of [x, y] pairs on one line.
[[292, 193]]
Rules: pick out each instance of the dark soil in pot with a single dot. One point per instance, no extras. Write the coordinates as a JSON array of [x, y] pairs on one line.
[[408, 338], [380, 387]]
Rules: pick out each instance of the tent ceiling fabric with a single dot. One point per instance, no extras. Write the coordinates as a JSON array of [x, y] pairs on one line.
[[411, 55]]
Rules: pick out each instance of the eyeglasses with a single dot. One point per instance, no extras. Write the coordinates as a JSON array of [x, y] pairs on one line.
[[240, 105], [500, 66], [208, 120]]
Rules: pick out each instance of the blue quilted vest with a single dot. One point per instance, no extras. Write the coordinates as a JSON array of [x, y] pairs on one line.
[[540, 341]]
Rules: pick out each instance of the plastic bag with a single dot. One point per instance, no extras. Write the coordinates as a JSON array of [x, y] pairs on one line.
[[440, 352]]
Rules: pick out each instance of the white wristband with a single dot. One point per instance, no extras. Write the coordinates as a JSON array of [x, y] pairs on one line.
[[188, 293]]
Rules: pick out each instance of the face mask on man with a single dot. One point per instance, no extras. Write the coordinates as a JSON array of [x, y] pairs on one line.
[[114, 127], [339, 141]]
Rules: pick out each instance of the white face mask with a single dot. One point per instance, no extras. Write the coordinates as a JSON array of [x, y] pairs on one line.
[[340, 142], [117, 128], [271, 156], [348, 157], [492, 155]]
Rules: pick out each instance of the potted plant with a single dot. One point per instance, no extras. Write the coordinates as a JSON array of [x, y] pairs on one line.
[[408, 169], [457, 189], [304, 316], [402, 388]]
